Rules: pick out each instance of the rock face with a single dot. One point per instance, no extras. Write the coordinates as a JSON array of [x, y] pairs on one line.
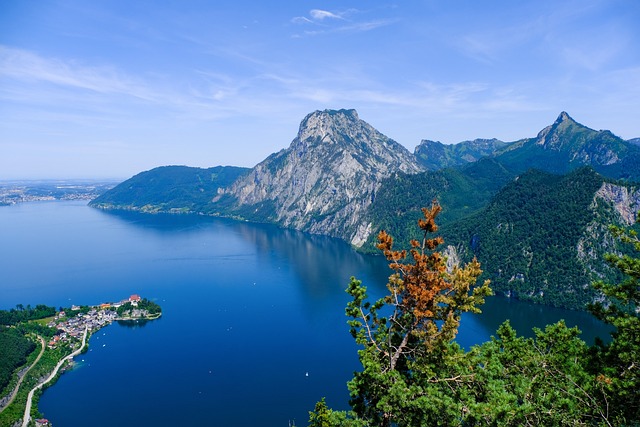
[[326, 179], [625, 200]]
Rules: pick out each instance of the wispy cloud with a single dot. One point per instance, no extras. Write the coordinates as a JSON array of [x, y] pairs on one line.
[[301, 20], [27, 66], [326, 22]]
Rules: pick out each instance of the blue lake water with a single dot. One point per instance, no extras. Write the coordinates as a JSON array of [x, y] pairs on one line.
[[253, 330]]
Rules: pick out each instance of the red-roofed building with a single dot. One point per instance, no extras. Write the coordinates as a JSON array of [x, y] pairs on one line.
[[134, 299]]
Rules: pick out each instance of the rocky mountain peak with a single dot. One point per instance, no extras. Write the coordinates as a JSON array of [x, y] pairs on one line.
[[555, 135], [325, 122], [564, 117], [327, 177], [569, 143]]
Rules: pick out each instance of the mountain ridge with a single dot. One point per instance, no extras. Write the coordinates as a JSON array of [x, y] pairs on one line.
[[341, 177], [435, 155]]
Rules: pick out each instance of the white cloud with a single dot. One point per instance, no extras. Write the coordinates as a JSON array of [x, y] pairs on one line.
[[321, 15]]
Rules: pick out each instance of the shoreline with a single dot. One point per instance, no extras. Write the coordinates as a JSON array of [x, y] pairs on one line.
[[27, 410], [84, 320]]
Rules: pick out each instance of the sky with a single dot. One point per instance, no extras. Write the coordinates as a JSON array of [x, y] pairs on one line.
[[110, 88]]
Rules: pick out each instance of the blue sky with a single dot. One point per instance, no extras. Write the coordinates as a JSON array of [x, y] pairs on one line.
[[109, 88]]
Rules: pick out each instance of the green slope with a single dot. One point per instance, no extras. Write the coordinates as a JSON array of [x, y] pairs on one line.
[[461, 192], [170, 189], [527, 237], [567, 145]]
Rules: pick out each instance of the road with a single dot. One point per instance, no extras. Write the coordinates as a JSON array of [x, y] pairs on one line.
[[27, 409], [15, 390]]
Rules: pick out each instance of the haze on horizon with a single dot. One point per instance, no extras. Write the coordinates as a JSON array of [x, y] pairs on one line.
[[109, 89]]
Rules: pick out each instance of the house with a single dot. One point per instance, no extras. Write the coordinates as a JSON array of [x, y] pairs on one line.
[[134, 299], [41, 422]]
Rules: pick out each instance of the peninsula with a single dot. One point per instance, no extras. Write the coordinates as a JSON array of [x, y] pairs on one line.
[[60, 335]]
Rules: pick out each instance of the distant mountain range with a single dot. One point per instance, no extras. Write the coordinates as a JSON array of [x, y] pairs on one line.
[[539, 233]]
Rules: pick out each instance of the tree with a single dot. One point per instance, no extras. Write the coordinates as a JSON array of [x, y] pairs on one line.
[[322, 416], [413, 372], [409, 357], [617, 365], [541, 381]]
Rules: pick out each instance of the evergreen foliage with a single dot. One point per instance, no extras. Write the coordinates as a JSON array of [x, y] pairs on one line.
[[618, 364], [144, 304], [176, 189], [408, 352], [414, 374], [14, 349], [527, 237], [460, 192], [23, 314]]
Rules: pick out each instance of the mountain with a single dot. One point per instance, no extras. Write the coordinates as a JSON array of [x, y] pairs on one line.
[[566, 145], [542, 237], [176, 189], [460, 191], [559, 148], [434, 155], [534, 212], [325, 181]]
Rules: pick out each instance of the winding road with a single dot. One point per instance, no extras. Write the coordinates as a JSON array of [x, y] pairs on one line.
[[27, 409], [17, 387]]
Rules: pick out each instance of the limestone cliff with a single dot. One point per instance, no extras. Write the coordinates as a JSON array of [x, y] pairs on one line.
[[326, 179], [625, 199]]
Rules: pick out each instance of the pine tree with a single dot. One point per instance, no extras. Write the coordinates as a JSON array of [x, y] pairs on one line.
[[409, 357], [617, 364]]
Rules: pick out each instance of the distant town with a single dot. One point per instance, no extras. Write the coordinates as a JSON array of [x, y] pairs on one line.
[[92, 318], [12, 192]]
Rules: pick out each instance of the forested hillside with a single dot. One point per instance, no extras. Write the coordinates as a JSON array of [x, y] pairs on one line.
[[178, 189], [14, 349], [461, 192], [527, 237]]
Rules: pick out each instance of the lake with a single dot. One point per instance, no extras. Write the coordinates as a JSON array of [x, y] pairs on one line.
[[253, 330]]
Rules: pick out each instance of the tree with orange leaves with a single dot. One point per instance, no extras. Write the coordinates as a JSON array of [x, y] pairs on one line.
[[409, 352]]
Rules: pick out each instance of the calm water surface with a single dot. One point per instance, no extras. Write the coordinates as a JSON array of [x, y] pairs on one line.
[[253, 330]]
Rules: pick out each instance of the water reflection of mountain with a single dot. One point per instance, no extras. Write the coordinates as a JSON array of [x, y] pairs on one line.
[[323, 266], [317, 260]]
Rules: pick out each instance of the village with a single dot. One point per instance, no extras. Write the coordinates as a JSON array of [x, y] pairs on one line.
[[72, 326]]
